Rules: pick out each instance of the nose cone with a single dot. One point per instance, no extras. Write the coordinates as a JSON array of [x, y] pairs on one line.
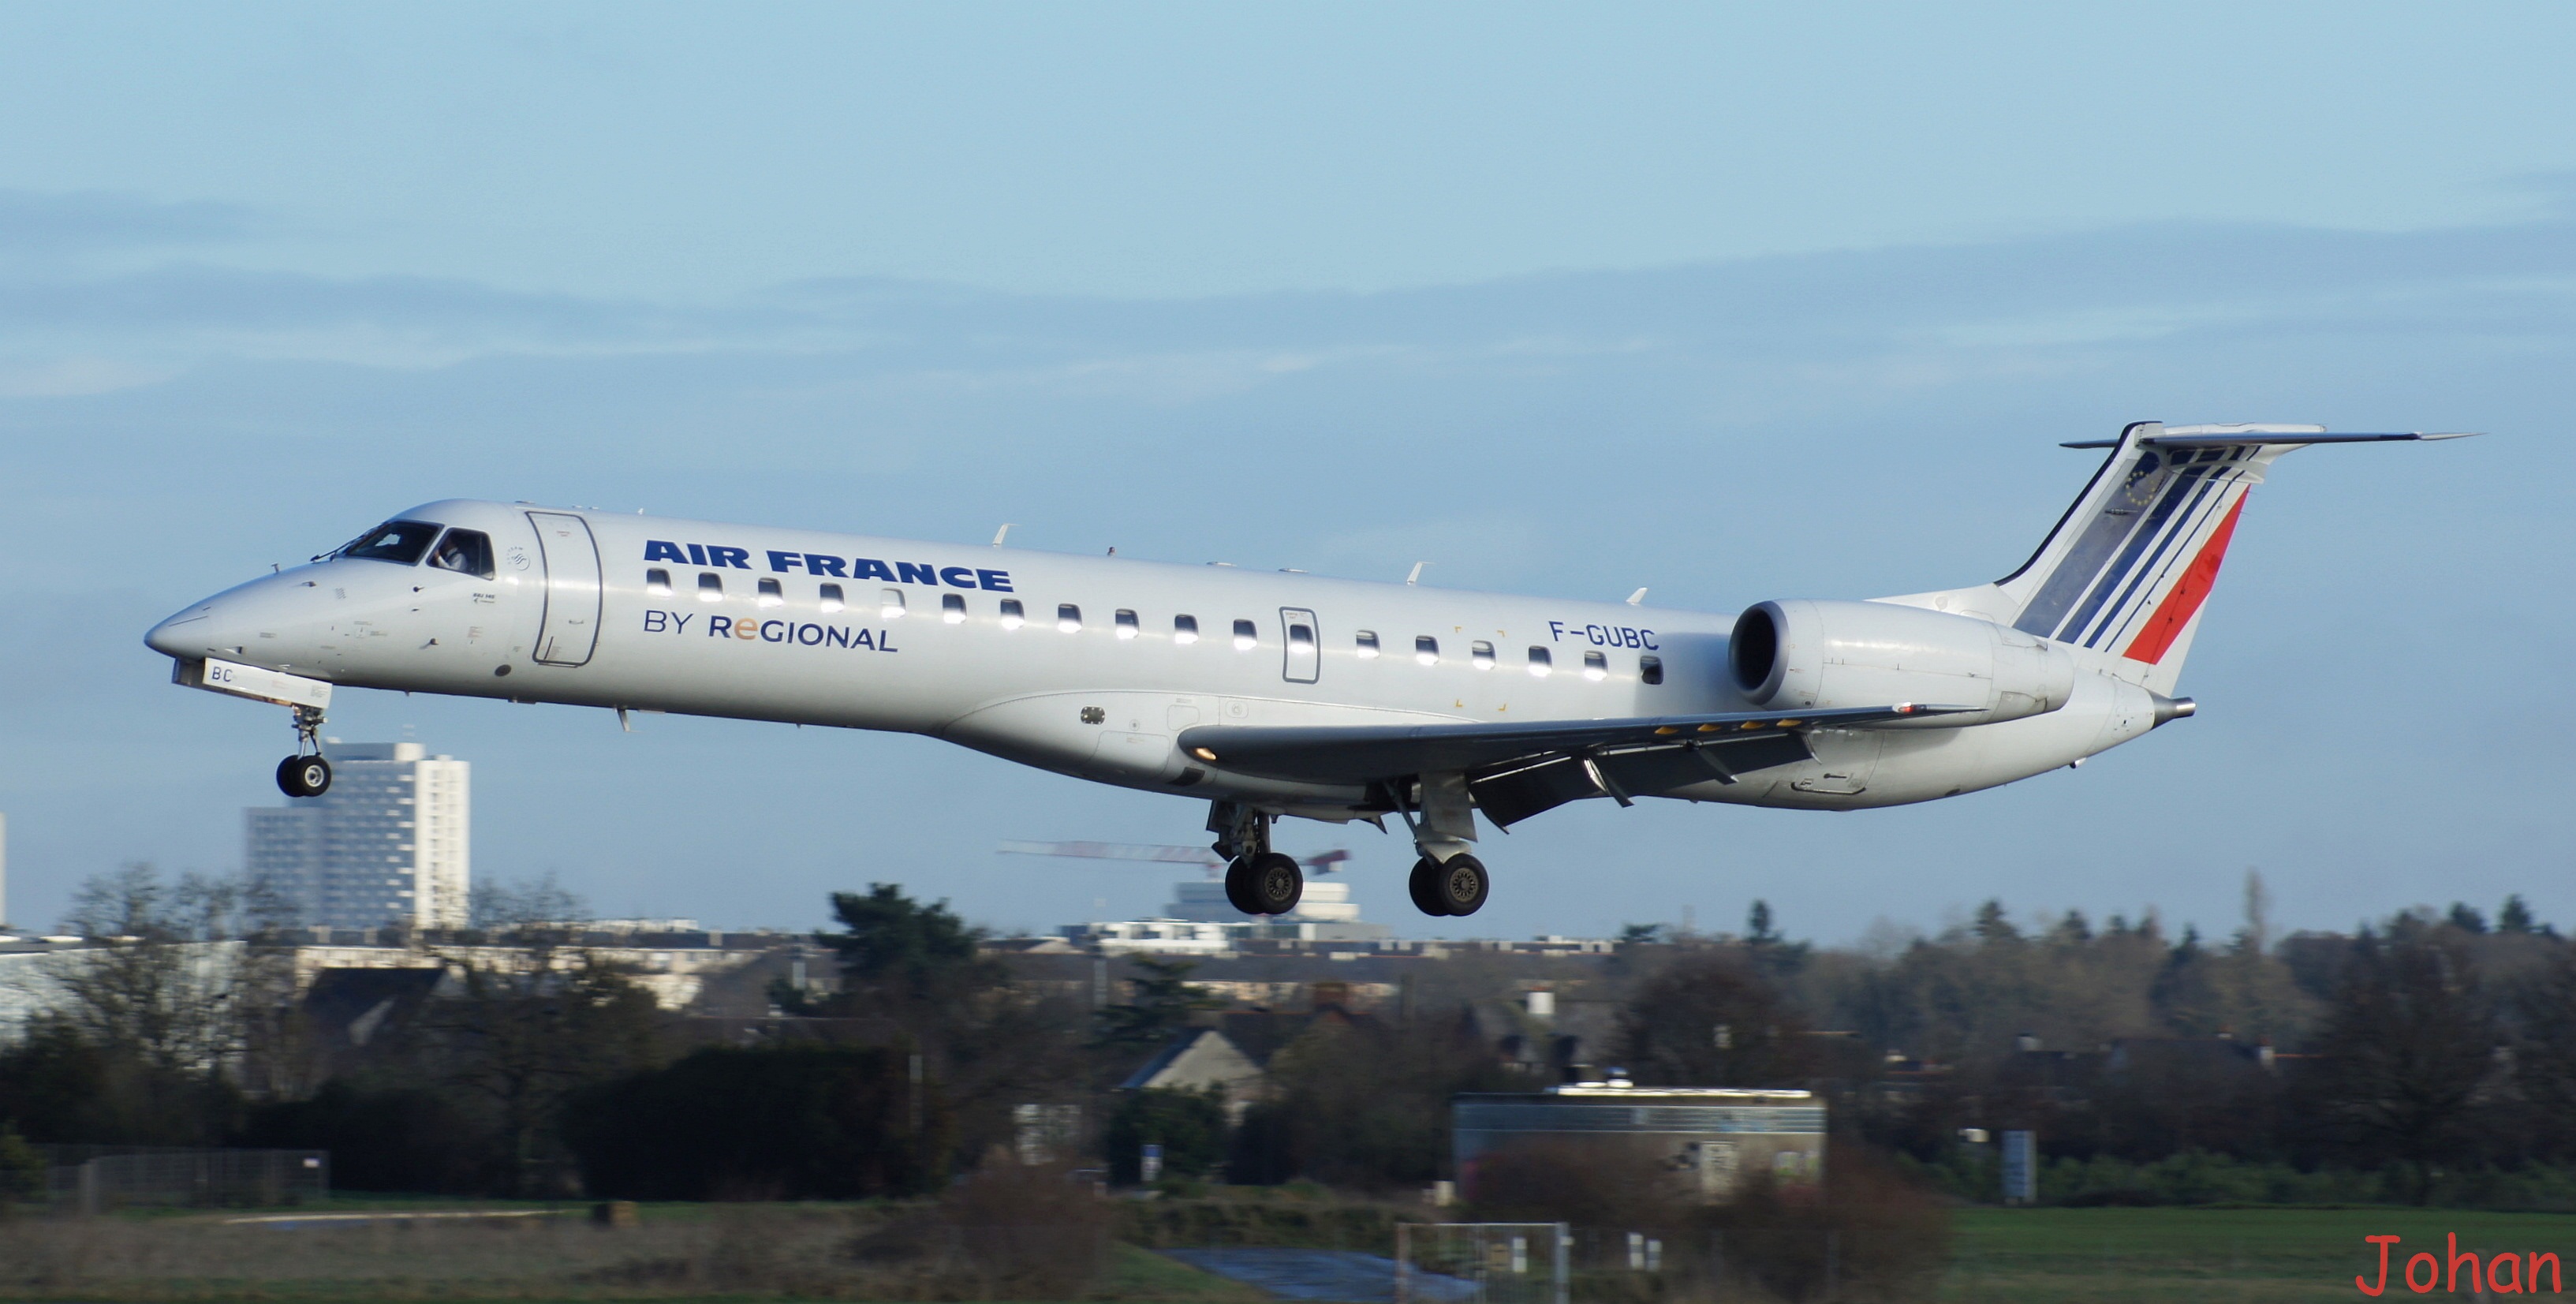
[[228, 624], [184, 635]]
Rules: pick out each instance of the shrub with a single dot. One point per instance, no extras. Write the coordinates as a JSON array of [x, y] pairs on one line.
[[798, 1122]]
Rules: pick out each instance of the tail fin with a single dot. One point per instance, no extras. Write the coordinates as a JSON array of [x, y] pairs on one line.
[[2126, 569]]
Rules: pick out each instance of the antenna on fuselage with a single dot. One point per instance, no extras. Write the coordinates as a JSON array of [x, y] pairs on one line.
[[1636, 597], [1416, 576], [1002, 533]]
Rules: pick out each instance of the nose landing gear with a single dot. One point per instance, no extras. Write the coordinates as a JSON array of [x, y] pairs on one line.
[[305, 774]]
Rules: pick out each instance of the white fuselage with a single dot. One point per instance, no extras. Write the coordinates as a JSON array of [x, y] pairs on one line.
[[921, 644]]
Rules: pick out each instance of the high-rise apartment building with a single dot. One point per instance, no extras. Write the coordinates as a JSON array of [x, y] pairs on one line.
[[387, 845]]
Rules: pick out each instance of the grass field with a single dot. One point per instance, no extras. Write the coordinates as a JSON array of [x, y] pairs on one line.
[[775, 1252], [2113, 1256]]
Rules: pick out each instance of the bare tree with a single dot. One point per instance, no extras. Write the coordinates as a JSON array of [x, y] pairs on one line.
[[1711, 1019], [178, 972], [527, 1017], [2408, 1045]]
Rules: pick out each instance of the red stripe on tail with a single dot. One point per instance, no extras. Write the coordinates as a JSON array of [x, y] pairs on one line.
[[2175, 612]]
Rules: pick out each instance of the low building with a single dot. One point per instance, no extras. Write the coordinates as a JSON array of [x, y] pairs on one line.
[[1200, 1059], [1198, 920], [1703, 1141]]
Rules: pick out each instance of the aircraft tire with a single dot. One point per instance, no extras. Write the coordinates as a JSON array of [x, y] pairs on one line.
[[304, 776], [1274, 883], [1238, 885], [1461, 885], [1424, 886]]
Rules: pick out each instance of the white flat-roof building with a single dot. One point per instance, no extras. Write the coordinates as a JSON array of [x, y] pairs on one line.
[[389, 844]]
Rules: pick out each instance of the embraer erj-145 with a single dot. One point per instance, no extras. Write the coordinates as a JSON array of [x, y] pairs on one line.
[[1280, 694]]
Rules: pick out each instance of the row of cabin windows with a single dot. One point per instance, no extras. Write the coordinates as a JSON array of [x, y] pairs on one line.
[[1185, 629]]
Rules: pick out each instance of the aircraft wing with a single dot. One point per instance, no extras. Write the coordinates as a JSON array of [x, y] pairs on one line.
[[1517, 770]]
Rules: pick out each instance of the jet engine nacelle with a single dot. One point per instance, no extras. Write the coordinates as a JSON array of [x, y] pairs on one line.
[[1815, 655]]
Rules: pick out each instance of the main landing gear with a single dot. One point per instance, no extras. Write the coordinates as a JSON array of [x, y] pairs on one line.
[[1448, 880], [305, 774], [1456, 886], [1258, 881]]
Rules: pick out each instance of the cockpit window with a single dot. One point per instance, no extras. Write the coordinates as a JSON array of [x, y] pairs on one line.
[[400, 542], [469, 552]]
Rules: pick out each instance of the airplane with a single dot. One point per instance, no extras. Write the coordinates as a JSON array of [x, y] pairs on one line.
[[1276, 695]]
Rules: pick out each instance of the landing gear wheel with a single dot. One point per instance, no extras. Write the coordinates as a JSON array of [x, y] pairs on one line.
[[304, 776], [1424, 886], [1273, 883], [1460, 885], [1238, 885]]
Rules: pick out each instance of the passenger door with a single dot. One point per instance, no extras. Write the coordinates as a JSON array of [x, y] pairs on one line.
[[1305, 643], [569, 630]]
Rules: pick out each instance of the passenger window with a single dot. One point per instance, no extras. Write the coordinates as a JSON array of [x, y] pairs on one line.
[[1595, 666], [1068, 618], [1426, 650], [1185, 629], [1126, 623], [710, 587], [1246, 636], [832, 598], [890, 604], [952, 608], [401, 542], [771, 595], [1482, 654], [1301, 635], [1540, 662], [1367, 641], [658, 583], [1650, 669], [1011, 615], [469, 552]]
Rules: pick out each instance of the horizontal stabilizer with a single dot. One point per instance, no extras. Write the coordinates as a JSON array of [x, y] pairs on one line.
[[2239, 436], [1517, 770]]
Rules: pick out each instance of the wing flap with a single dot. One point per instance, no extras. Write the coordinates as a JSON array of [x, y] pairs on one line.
[[1532, 767]]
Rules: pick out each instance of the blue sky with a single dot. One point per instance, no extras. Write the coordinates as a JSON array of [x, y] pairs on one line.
[[1733, 304]]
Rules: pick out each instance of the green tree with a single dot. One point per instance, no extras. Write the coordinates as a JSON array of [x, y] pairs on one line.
[[906, 959], [2515, 916], [22, 1168], [1190, 1126], [1769, 951], [1161, 1003]]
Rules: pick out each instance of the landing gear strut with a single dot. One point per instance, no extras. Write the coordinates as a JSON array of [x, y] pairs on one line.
[[1258, 881], [305, 774]]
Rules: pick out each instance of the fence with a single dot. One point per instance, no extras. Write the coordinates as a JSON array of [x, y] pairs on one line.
[[92, 1178], [1481, 1263], [1792, 1263]]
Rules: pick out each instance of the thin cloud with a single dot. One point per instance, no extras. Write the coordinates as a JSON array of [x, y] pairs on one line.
[[36, 222]]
